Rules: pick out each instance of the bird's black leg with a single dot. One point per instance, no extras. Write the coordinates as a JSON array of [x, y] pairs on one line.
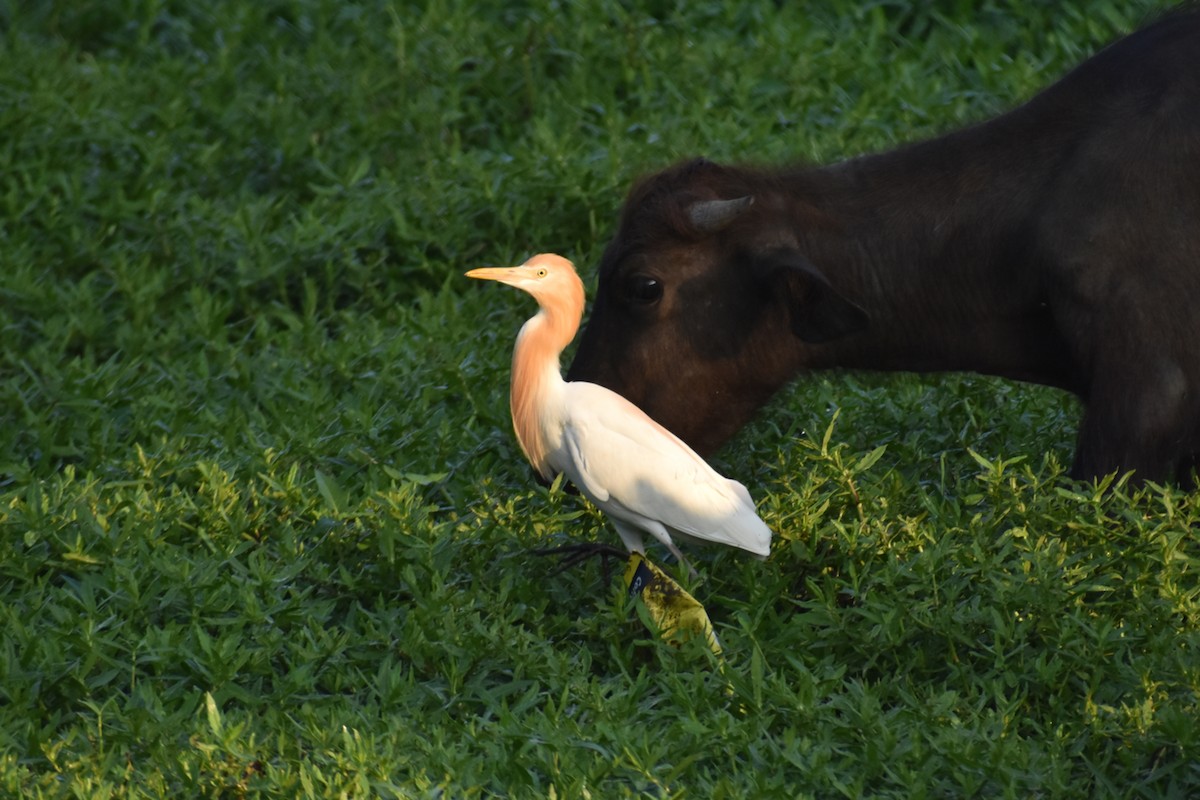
[[571, 555]]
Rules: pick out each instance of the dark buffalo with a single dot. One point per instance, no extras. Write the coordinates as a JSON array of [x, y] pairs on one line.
[[1058, 243]]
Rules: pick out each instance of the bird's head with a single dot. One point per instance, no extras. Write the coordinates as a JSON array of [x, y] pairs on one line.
[[550, 278]]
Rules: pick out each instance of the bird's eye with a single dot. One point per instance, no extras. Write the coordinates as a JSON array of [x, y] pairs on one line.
[[541, 273], [643, 289]]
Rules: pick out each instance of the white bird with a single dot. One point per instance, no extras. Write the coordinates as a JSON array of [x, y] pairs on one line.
[[641, 475]]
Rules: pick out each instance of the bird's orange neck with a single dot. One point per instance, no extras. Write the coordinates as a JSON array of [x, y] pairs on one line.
[[536, 380]]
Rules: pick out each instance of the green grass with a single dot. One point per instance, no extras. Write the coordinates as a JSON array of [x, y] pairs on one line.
[[263, 524]]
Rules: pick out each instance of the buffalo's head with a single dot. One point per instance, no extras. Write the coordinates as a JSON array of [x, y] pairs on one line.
[[706, 303]]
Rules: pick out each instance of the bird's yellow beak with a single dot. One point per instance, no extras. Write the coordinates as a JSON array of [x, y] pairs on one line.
[[502, 274]]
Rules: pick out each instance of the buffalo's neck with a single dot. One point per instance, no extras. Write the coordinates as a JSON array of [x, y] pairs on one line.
[[938, 242]]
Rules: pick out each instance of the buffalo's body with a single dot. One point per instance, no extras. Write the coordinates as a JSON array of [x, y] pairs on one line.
[[1058, 243]]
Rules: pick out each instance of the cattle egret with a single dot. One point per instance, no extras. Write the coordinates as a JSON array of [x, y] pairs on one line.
[[636, 471]]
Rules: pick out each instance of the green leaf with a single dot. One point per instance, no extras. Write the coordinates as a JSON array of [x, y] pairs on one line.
[[213, 714], [870, 459], [333, 494]]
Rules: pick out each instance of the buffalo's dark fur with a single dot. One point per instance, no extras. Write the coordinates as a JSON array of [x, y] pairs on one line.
[[1058, 243]]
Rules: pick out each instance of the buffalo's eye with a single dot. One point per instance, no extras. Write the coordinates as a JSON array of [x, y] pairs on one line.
[[643, 289]]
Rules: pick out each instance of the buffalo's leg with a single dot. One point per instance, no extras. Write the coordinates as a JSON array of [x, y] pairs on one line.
[[1139, 419], [1187, 471]]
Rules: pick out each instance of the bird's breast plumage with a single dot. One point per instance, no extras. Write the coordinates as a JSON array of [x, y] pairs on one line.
[[536, 396]]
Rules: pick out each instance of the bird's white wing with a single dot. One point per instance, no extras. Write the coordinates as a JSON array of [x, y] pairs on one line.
[[632, 467]]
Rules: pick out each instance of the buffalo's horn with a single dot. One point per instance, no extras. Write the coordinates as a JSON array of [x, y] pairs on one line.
[[709, 216]]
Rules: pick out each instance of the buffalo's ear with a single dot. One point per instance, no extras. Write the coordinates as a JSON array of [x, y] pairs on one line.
[[818, 312]]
